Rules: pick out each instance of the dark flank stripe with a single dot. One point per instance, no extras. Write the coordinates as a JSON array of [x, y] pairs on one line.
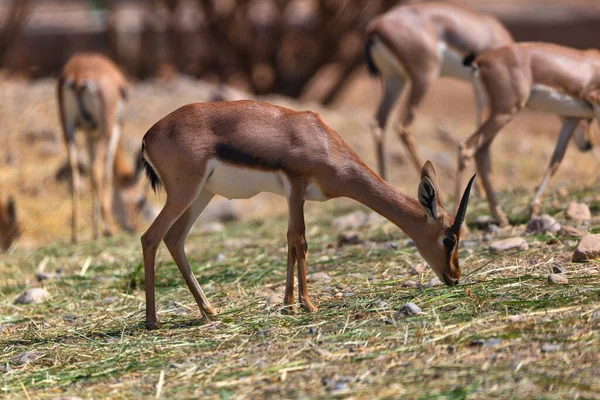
[[234, 156]]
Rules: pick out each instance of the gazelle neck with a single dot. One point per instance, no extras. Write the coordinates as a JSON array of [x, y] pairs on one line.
[[402, 210]]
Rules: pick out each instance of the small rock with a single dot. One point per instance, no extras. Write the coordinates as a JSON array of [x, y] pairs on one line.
[[24, 358], [407, 310], [348, 238], [410, 284], [339, 386], [384, 304], [492, 342], [558, 279], [417, 269], [486, 237], [348, 294], [409, 243], [596, 315], [543, 223], [433, 282], [550, 347], [274, 300], [567, 230], [483, 221], [350, 221], [220, 257], [509, 244], [388, 246], [562, 192], [110, 299], [587, 249], [493, 228], [557, 269], [32, 296], [468, 243], [43, 276], [578, 212], [319, 277]]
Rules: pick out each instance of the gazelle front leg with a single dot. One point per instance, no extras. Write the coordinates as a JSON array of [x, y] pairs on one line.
[[297, 246], [75, 185], [566, 131]]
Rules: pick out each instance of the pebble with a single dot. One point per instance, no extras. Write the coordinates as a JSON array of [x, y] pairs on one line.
[[493, 228], [220, 257], [110, 299], [353, 220], [550, 347], [274, 300], [543, 223], [433, 282], [381, 304], [410, 284], [418, 269], [32, 296], [567, 230], [319, 277], [349, 238], [557, 269], [468, 243], [348, 294], [509, 244], [486, 237], [587, 249], [483, 221], [558, 279], [24, 358], [407, 310], [579, 212], [389, 246], [492, 342]]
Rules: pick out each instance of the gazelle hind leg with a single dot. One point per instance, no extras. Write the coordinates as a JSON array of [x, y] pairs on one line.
[[175, 206], [419, 85], [566, 131], [392, 87], [175, 242], [297, 243]]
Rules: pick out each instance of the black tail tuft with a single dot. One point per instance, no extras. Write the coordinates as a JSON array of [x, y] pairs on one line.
[[468, 60], [150, 172], [373, 71]]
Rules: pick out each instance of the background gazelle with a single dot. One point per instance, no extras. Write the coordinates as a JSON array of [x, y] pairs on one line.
[[417, 43], [540, 76], [91, 95], [239, 149]]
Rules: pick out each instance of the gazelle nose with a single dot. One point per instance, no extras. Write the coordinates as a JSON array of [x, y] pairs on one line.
[[450, 281]]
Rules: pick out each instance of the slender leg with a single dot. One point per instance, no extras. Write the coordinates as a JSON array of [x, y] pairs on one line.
[[392, 87], [175, 241], [566, 131], [150, 241], [473, 146], [419, 86], [75, 186], [297, 241], [99, 187], [480, 101]]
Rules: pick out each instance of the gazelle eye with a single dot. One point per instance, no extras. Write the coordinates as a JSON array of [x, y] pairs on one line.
[[449, 243]]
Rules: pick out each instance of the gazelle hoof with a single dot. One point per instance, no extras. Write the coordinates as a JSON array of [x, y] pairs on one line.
[[151, 326]]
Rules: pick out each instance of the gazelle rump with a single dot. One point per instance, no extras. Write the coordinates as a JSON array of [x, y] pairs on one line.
[[417, 43], [540, 76], [9, 226], [92, 93], [238, 149]]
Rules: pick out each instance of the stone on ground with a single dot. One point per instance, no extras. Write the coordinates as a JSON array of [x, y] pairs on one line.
[[587, 249], [558, 279], [579, 212], [353, 220], [543, 223], [509, 244], [407, 310], [32, 296]]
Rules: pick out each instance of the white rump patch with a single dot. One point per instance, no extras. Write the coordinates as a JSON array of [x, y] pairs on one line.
[[236, 182], [385, 60], [452, 63], [547, 99]]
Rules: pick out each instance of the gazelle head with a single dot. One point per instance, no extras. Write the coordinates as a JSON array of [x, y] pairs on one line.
[[9, 227], [129, 198], [438, 241]]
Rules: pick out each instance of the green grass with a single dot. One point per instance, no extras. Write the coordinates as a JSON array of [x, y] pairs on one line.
[[353, 347]]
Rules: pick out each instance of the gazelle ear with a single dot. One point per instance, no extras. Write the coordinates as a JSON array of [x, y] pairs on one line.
[[428, 198], [429, 172]]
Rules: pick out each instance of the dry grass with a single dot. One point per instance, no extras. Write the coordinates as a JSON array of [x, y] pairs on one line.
[[485, 338]]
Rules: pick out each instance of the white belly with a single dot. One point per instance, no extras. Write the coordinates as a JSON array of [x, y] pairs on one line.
[[546, 99], [235, 182], [452, 63]]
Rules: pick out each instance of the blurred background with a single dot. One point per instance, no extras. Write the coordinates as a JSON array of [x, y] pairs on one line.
[[303, 54]]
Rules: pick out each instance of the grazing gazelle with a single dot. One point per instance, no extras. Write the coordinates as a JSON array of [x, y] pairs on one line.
[[92, 93], [540, 76], [241, 148], [418, 43], [9, 227]]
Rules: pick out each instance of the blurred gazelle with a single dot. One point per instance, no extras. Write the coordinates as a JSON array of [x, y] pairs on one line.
[[92, 93], [540, 76], [241, 148], [418, 43]]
